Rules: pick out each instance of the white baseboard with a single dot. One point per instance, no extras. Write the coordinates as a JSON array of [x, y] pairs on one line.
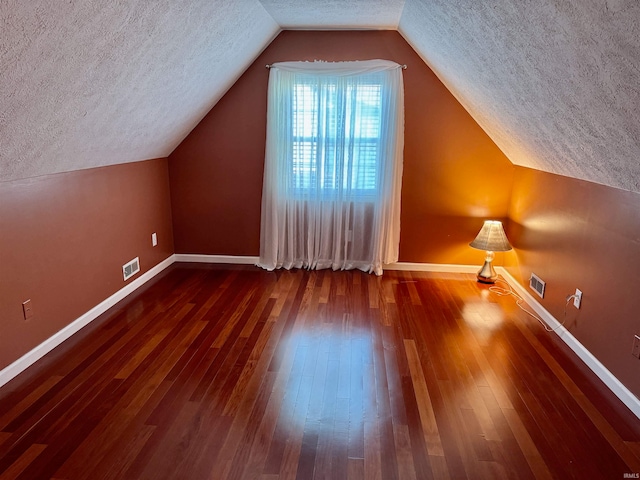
[[406, 266], [619, 390], [432, 267], [29, 358], [233, 259]]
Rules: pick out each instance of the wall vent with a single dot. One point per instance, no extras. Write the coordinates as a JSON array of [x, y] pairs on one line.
[[131, 268], [537, 285]]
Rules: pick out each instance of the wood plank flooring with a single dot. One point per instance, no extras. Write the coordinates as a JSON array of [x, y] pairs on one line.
[[227, 372]]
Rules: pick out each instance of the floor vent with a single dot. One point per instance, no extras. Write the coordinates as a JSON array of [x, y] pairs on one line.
[[537, 285], [131, 268]]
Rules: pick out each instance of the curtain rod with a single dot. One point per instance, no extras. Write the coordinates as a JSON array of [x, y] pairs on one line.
[[404, 67]]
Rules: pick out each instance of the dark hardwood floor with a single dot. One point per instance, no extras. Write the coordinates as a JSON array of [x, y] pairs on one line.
[[237, 373]]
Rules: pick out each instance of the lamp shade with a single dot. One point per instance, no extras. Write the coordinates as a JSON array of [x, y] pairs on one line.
[[491, 238]]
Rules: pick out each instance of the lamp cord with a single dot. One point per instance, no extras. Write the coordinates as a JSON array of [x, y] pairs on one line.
[[500, 291]]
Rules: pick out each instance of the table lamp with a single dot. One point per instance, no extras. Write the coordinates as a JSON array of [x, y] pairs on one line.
[[491, 239]]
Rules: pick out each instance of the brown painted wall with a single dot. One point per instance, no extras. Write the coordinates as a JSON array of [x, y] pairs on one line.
[[454, 175], [577, 234], [64, 239]]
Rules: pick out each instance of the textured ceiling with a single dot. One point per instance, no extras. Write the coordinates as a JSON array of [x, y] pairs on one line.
[[320, 14], [84, 83], [556, 84]]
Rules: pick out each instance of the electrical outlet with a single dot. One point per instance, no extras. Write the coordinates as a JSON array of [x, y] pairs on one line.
[[635, 351], [577, 299], [154, 239], [27, 311]]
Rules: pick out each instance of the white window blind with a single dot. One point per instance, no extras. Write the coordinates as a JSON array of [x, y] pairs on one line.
[[336, 136]]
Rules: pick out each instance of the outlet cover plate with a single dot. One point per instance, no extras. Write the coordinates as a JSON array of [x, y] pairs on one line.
[[635, 351], [27, 310], [577, 299]]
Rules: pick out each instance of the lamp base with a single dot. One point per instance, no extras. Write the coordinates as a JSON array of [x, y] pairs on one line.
[[487, 274]]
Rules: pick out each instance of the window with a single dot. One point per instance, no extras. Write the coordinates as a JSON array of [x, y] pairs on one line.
[[333, 165], [336, 136]]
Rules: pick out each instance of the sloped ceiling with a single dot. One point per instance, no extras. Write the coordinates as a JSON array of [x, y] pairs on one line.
[[85, 83], [343, 14], [555, 83]]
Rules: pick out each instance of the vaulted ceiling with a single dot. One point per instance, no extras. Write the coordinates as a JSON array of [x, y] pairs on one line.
[[86, 83]]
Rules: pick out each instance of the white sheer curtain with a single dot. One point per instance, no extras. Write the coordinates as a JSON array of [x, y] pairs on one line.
[[333, 165]]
